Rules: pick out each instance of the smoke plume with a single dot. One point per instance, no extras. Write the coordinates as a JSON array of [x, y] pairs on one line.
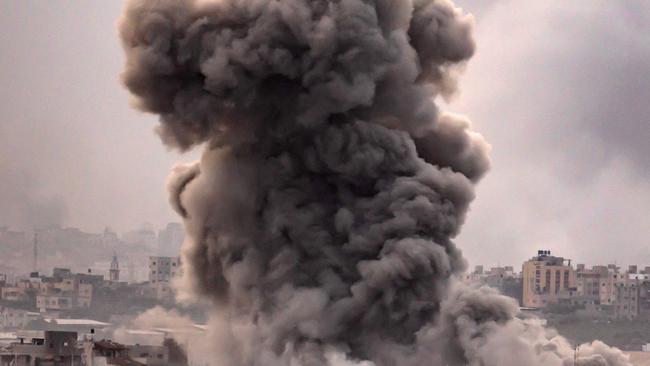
[[321, 213]]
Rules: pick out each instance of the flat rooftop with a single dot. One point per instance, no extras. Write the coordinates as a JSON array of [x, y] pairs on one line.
[[79, 322]]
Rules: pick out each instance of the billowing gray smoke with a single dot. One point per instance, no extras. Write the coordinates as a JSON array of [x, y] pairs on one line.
[[321, 213]]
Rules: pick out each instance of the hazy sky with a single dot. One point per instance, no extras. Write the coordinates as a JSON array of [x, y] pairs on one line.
[[560, 89], [72, 150]]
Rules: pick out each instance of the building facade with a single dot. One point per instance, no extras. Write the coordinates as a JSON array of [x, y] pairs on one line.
[[162, 271], [627, 299], [54, 302], [588, 285], [11, 318], [545, 278]]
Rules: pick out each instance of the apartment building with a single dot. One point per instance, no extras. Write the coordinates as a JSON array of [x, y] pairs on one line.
[[162, 271], [545, 278], [627, 298], [54, 302], [588, 285]]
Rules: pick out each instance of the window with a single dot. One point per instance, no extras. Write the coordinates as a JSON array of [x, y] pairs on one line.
[[566, 279]]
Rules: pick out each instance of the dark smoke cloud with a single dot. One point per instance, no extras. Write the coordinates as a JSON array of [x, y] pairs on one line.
[[321, 214]]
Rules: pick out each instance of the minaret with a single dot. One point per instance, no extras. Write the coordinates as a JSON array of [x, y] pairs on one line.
[[114, 273]]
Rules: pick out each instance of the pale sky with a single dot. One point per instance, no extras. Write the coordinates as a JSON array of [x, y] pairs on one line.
[[72, 150], [561, 90]]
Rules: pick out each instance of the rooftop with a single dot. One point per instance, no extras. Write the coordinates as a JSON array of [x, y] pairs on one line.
[[80, 322]]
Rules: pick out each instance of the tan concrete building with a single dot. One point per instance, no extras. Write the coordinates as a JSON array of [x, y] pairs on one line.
[[609, 275], [546, 278], [54, 302], [54, 292], [588, 284], [13, 293], [84, 295]]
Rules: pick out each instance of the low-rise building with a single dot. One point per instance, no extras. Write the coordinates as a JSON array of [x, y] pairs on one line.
[[13, 293], [11, 318], [106, 352], [83, 327], [42, 348], [503, 279], [54, 302]]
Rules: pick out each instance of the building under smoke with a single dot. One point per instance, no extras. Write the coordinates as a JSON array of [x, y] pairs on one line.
[[320, 217]]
